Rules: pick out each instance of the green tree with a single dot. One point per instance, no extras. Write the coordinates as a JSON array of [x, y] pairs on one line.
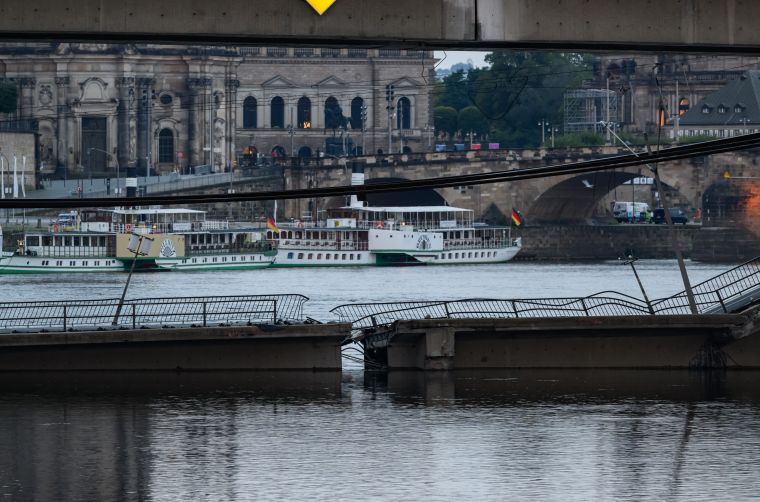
[[445, 118], [519, 90], [472, 119], [8, 96], [579, 139]]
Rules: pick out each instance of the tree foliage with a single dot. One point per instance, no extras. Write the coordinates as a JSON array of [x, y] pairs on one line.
[[518, 91], [8, 96], [472, 119], [445, 120]]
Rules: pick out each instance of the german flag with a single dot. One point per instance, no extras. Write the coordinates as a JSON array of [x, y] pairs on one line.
[[516, 217], [271, 225]]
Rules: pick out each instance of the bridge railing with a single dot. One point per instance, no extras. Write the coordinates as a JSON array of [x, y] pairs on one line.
[[608, 303], [726, 292], [150, 312]]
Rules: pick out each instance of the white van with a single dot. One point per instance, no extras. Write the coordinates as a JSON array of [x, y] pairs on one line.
[[628, 211], [67, 219]]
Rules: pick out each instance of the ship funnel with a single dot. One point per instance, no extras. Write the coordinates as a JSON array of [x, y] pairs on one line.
[[357, 179]]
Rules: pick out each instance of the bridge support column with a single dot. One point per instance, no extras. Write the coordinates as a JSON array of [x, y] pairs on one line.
[[439, 349]]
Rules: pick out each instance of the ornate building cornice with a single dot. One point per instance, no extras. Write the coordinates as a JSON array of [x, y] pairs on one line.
[[28, 82], [62, 81], [125, 81], [199, 82], [232, 83]]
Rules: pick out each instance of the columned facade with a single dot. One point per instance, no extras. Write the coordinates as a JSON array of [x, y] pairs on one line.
[[172, 108]]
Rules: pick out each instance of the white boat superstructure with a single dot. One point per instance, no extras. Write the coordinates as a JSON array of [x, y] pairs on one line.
[[358, 235], [98, 241]]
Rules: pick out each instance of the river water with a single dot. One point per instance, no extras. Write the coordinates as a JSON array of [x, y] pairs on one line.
[[482, 435]]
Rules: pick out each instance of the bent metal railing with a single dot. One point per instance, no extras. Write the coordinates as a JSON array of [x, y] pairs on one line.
[[150, 312], [608, 303], [727, 292]]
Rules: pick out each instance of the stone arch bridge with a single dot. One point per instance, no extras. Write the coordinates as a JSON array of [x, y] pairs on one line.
[[565, 198]]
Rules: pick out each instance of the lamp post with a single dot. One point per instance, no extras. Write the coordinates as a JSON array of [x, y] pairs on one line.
[[630, 261], [554, 130], [744, 121], [542, 124]]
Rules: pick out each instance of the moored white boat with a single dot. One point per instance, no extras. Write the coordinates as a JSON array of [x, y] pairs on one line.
[[97, 241], [358, 235]]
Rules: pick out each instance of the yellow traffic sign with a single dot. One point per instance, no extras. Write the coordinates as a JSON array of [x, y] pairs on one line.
[[320, 5]]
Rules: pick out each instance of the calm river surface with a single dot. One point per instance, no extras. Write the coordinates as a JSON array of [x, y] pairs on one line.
[[484, 435]]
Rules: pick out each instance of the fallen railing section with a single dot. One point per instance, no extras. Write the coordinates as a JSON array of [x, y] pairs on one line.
[[150, 312], [607, 303], [728, 292]]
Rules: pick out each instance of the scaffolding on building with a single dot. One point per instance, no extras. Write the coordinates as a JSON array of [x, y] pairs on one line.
[[585, 109]]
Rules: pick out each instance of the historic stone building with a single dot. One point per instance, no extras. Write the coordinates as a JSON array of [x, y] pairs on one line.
[[176, 107], [680, 80]]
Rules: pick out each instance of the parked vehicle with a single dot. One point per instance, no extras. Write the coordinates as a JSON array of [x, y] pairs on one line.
[[629, 211], [676, 214]]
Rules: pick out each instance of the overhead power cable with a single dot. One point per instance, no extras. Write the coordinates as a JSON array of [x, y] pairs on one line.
[[616, 162]]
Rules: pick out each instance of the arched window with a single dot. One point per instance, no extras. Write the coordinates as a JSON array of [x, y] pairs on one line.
[[356, 113], [278, 112], [166, 145], [333, 114], [304, 113], [404, 114], [249, 113]]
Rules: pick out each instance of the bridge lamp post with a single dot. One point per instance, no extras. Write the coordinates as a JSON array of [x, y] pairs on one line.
[[543, 123], [744, 121]]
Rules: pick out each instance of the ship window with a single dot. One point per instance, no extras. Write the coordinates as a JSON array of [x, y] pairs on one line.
[[234, 258], [72, 263], [290, 256], [343, 256], [311, 256], [300, 256], [67, 241], [205, 260], [327, 256], [456, 255], [319, 256], [351, 256]]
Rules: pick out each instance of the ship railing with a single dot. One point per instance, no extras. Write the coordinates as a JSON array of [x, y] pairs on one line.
[[323, 245], [150, 313], [477, 244], [69, 251]]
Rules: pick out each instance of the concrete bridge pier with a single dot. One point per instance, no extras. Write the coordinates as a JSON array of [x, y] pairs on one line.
[[664, 341]]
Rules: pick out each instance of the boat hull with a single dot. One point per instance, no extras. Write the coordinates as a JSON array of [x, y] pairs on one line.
[[241, 261], [294, 257], [20, 264]]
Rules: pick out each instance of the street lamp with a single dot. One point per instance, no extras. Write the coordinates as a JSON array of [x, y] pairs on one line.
[[115, 158], [542, 124]]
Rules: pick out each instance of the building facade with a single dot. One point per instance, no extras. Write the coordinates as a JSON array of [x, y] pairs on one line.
[[103, 106], [679, 80]]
